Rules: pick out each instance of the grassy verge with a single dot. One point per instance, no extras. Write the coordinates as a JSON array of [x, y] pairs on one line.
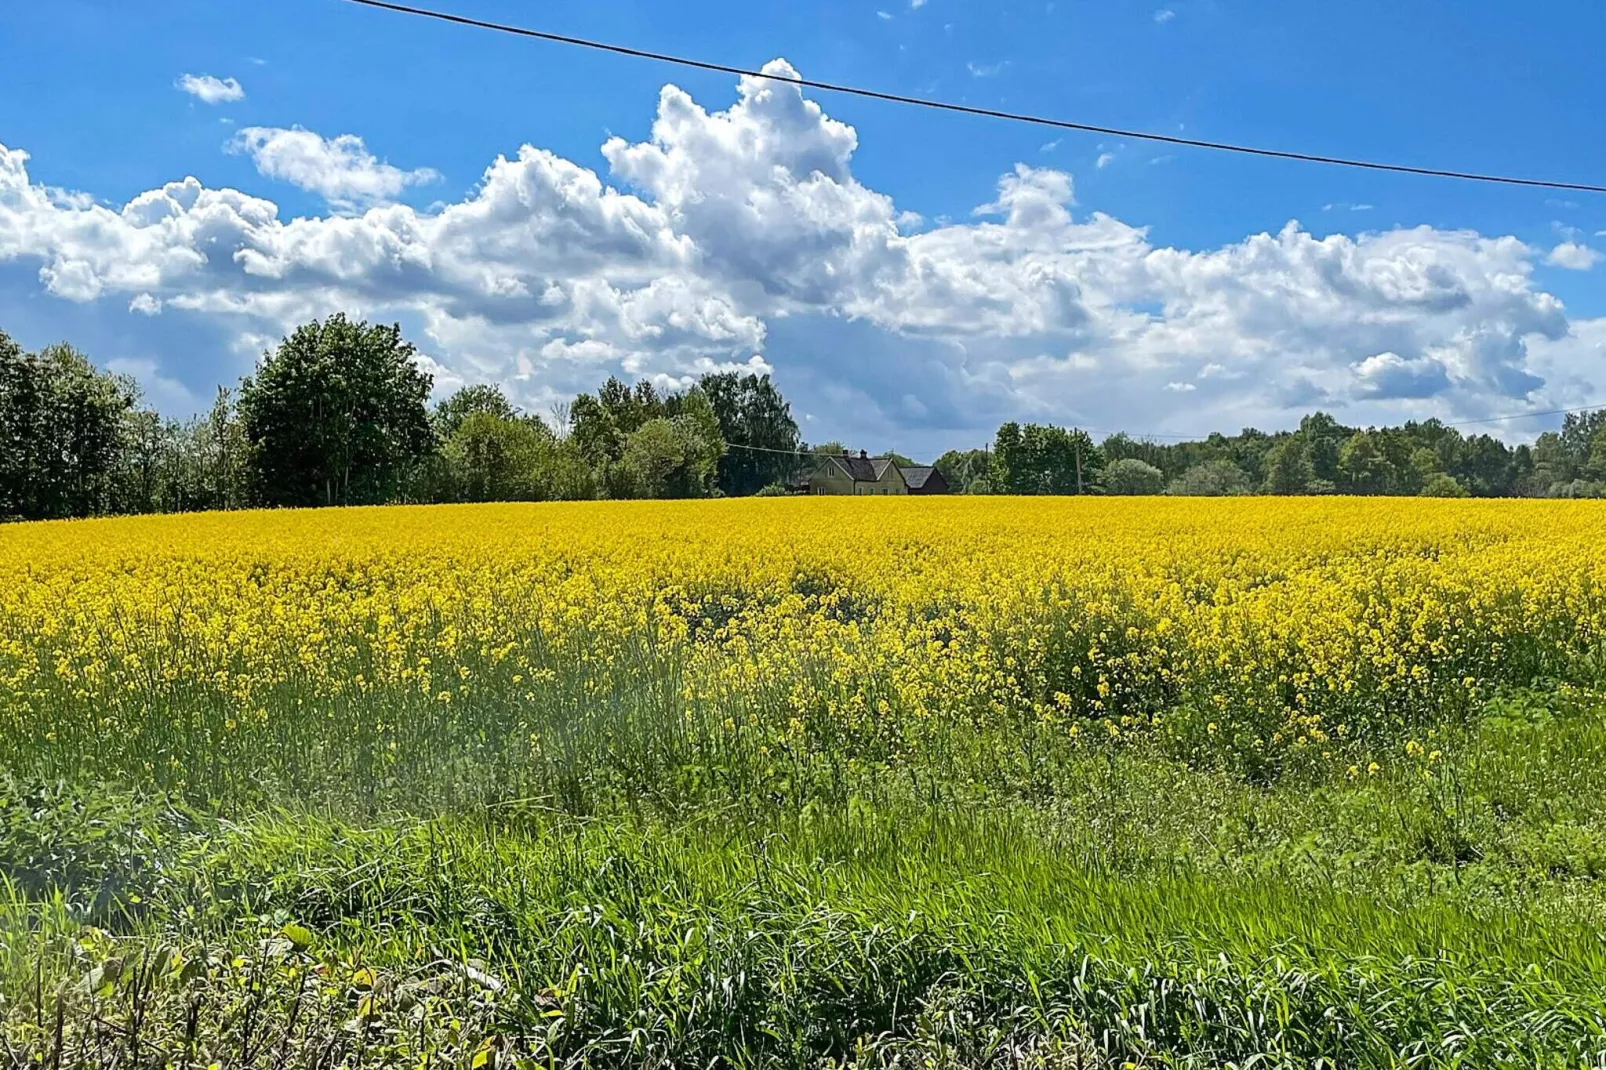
[[1144, 912]]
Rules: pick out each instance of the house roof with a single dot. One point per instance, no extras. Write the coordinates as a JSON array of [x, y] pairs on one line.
[[863, 469], [916, 475]]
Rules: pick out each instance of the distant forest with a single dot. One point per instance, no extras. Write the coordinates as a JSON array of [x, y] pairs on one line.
[[338, 414], [1322, 456]]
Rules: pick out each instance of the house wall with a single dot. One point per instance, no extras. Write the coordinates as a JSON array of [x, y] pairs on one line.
[[891, 482], [829, 479]]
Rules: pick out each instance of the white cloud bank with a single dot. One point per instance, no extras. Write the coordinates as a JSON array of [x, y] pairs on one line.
[[726, 227], [210, 90]]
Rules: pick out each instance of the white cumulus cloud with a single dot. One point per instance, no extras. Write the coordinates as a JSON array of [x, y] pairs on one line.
[[210, 90], [1573, 256], [341, 170], [1390, 375]]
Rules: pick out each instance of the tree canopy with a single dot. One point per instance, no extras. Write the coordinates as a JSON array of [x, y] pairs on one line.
[[62, 432], [756, 423], [336, 415]]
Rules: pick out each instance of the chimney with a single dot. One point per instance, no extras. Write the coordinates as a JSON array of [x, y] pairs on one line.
[[863, 455], [845, 453]]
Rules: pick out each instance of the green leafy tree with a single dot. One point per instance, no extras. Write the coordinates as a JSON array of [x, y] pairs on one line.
[[703, 439], [1482, 464], [483, 398], [755, 421], [150, 476], [168, 466], [1596, 467], [640, 444], [676, 457], [629, 406], [1442, 485], [562, 474], [1577, 439], [1132, 476], [1425, 464], [1578, 488], [336, 416], [1038, 459], [204, 466], [1212, 479], [63, 427], [1363, 467], [1288, 468], [220, 449], [1323, 437], [1121, 446], [653, 454], [1551, 464], [595, 433], [494, 458], [966, 471], [1008, 473], [1520, 480]]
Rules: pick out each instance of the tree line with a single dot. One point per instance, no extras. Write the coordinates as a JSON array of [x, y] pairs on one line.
[[338, 414], [1322, 456]]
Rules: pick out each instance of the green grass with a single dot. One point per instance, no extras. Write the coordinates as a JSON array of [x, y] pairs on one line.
[[1088, 905], [847, 935]]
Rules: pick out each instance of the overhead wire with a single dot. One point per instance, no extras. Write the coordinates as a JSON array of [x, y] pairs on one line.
[[966, 109], [1527, 415]]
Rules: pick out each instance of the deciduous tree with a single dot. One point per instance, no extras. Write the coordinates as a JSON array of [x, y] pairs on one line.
[[336, 416]]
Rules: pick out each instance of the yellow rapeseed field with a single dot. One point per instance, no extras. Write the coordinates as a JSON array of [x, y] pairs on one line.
[[176, 649]]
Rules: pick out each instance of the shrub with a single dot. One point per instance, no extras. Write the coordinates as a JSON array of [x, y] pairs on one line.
[[1132, 476]]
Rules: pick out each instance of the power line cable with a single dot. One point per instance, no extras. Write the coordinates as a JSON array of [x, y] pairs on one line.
[[1527, 415], [767, 449], [965, 109]]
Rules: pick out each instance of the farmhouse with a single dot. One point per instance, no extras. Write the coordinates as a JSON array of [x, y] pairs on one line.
[[863, 474]]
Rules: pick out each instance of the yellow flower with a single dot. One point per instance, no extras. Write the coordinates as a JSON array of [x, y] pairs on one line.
[[1292, 622]]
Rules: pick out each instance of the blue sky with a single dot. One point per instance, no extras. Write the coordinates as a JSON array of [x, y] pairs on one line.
[[1107, 283]]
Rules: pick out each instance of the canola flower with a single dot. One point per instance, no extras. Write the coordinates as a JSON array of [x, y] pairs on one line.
[[370, 645]]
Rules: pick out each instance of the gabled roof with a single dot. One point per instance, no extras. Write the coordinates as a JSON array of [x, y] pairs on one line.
[[859, 469], [916, 475], [862, 469]]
